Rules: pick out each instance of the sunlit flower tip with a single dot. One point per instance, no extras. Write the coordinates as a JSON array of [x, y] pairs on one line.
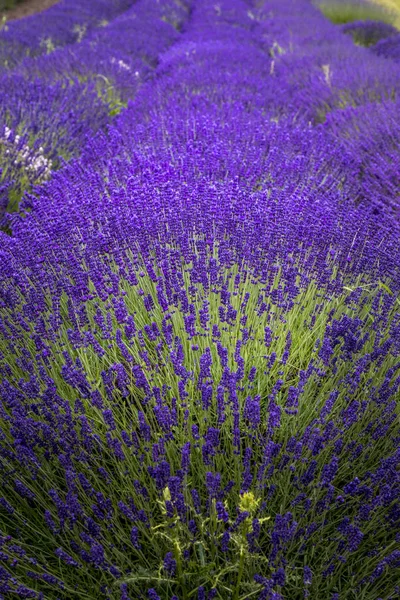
[[248, 502]]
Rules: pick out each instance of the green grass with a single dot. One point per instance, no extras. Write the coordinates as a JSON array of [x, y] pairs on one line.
[[341, 12], [8, 4]]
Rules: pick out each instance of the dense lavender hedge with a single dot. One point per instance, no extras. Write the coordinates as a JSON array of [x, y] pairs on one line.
[[199, 319], [389, 48], [64, 23], [51, 105], [368, 33]]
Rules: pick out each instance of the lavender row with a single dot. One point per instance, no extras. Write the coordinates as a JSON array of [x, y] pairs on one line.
[[50, 106], [317, 80], [67, 22], [370, 136]]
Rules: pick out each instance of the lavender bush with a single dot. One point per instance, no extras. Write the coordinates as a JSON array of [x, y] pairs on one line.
[[389, 48], [66, 22], [368, 33], [80, 89], [200, 327]]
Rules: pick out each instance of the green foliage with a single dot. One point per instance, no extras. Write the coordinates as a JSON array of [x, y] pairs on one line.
[[346, 12], [8, 4], [108, 93]]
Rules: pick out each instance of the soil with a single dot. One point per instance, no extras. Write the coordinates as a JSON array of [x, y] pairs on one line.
[[28, 7]]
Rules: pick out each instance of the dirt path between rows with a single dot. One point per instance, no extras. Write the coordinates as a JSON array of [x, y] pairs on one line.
[[29, 7]]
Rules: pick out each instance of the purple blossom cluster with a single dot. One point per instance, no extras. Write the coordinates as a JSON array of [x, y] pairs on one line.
[[199, 314]]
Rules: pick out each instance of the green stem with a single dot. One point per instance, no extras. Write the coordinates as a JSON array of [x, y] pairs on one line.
[[181, 575], [240, 574]]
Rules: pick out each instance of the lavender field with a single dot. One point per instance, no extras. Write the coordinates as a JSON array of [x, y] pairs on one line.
[[200, 301]]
